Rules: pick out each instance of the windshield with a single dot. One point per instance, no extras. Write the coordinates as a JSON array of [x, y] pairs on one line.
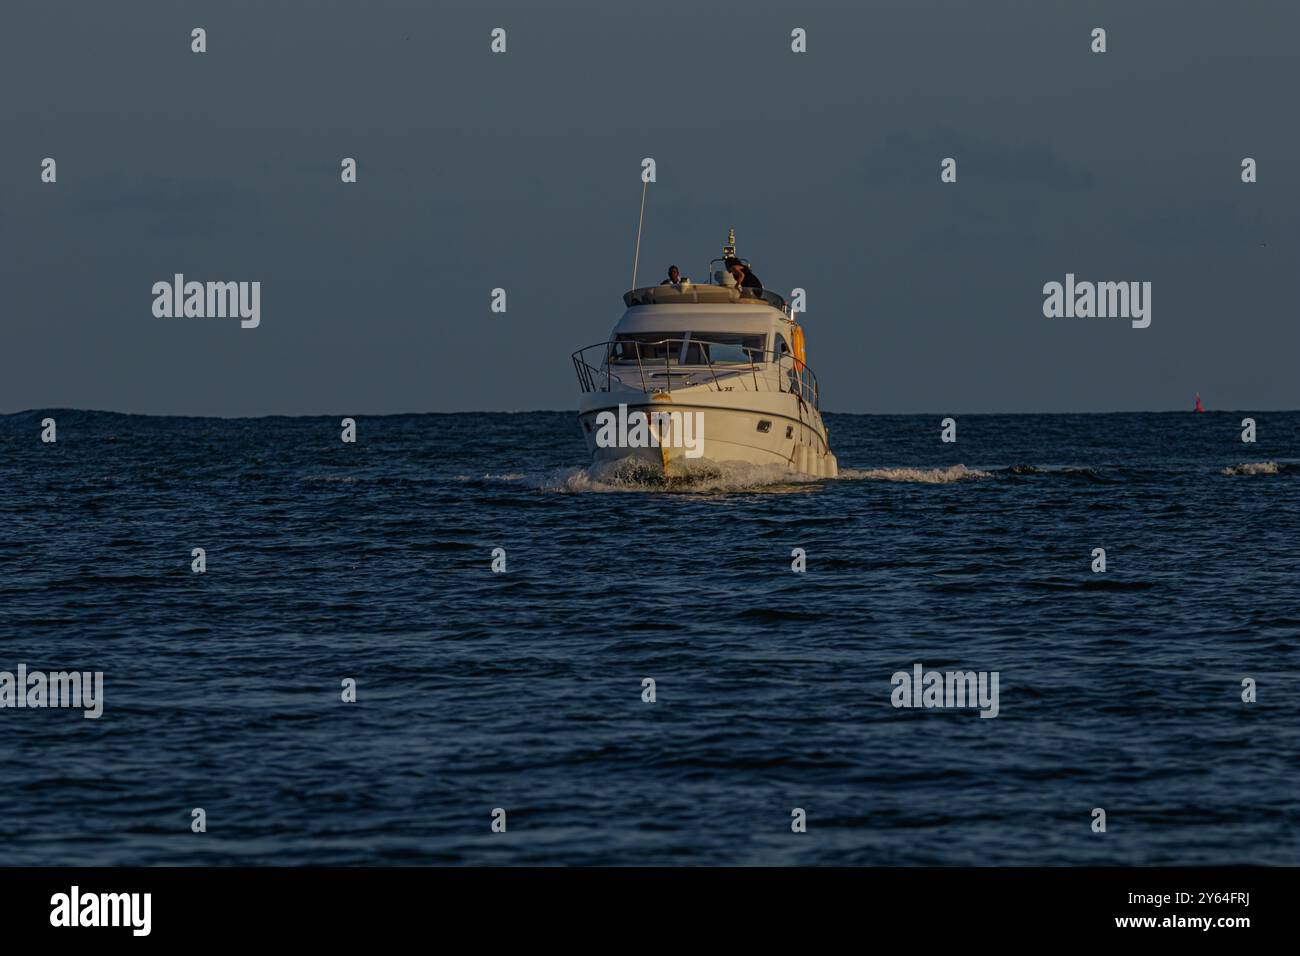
[[647, 346], [690, 348], [730, 348]]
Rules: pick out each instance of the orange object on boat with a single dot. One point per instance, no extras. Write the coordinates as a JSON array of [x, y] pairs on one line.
[[800, 356]]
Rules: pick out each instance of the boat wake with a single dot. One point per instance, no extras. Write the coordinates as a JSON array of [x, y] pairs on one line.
[[925, 476], [1255, 468], [704, 476], [700, 475], [709, 477]]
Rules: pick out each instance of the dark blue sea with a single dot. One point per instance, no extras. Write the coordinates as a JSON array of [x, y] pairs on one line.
[[522, 690]]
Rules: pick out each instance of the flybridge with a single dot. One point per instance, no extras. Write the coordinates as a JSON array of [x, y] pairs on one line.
[[722, 287], [688, 294]]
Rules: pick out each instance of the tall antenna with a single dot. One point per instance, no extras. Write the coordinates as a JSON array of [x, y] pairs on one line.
[[636, 259]]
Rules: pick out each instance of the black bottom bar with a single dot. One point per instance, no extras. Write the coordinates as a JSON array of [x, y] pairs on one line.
[[372, 904]]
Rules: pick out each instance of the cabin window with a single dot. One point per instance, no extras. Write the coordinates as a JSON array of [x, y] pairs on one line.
[[650, 346], [764, 426], [690, 348], [729, 348]]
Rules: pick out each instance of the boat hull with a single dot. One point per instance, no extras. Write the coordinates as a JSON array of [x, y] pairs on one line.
[[755, 428]]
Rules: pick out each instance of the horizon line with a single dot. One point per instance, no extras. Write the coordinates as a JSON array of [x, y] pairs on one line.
[[566, 411]]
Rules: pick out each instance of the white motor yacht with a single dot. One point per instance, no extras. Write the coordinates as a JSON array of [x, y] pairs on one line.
[[709, 372]]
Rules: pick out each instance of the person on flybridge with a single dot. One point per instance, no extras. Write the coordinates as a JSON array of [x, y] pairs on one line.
[[674, 278], [743, 276]]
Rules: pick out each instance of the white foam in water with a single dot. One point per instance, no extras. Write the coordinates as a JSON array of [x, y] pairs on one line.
[[707, 476], [700, 475], [1253, 468], [928, 476]]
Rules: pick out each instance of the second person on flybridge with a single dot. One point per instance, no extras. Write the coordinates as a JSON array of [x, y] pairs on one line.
[[743, 275]]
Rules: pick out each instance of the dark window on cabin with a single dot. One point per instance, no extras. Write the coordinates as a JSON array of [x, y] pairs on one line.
[[652, 346], [703, 348], [731, 348]]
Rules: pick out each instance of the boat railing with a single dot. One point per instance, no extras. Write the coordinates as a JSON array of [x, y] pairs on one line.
[[653, 366]]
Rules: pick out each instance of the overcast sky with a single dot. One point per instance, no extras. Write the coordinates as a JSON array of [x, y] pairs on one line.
[[522, 171]]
